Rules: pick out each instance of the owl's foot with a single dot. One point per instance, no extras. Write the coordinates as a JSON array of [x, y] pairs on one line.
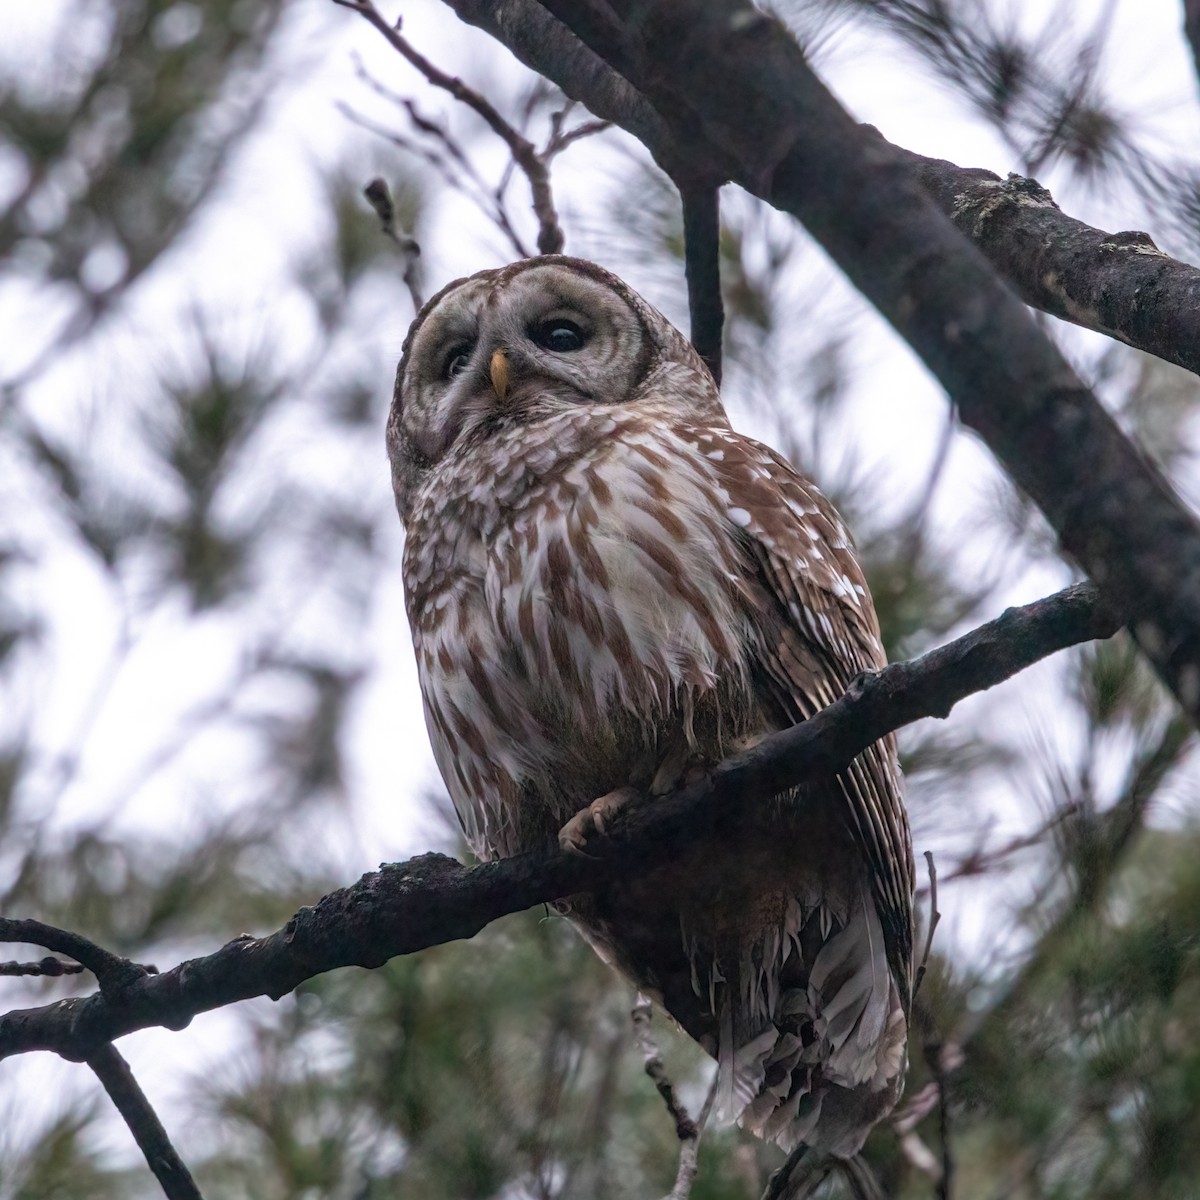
[[583, 827]]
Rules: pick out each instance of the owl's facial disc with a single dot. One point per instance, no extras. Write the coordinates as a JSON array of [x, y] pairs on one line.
[[563, 338]]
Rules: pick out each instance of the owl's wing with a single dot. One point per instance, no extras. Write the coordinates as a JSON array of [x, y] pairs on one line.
[[813, 629]]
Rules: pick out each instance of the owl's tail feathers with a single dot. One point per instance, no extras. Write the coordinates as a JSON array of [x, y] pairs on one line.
[[806, 1170], [831, 1060]]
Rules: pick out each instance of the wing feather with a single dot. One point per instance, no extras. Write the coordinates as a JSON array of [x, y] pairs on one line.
[[813, 628]]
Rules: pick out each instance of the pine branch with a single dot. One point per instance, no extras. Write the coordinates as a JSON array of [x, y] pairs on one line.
[[433, 899]]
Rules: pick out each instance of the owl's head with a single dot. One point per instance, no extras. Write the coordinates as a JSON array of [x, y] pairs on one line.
[[520, 343]]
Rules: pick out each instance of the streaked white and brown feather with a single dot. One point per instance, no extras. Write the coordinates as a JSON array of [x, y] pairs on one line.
[[598, 589]]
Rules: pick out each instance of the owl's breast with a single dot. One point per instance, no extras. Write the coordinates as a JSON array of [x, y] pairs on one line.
[[579, 620]]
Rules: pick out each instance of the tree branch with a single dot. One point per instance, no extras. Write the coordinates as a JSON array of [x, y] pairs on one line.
[[702, 267], [643, 1010], [433, 899], [169, 1169], [687, 1130], [379, 197], [1119, 284], [112, 972], [533, 165], [46, 967], [1112, 283], [729, 79]]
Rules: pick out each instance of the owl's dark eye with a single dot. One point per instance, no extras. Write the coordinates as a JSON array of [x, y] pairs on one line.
[[457, 357], [559, 336]]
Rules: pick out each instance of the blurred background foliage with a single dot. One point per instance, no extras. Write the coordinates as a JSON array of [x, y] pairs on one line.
[[199, 597]]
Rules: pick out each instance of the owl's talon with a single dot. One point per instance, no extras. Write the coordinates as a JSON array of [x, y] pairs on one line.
[[572, 849], [583, 827]]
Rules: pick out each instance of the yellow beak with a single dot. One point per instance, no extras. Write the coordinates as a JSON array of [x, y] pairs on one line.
[[499, 371]]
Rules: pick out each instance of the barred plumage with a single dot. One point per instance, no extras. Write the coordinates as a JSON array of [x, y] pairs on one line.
[[609, 588]]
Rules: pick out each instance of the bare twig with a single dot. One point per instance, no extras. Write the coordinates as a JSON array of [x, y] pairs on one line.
[[934, 918], [904, 1122], [47, 967], [113, 1072], [689, 1151], [112, 972], [489, 200], [685, 1127], [941, 1058], [560, 140], [686, 1130], [980, 860], [534, 165], [468, 183], [380, 199]]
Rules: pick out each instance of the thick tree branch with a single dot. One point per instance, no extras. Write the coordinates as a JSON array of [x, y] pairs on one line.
[[1119, 284], [432, 899], [724, 77]]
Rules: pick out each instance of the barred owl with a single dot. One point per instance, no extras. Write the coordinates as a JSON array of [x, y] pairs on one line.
[[609, 591]]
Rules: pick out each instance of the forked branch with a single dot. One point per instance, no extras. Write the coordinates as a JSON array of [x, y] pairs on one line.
[[533, 163]]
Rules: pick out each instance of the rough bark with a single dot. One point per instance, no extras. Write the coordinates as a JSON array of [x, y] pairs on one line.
[[1119, 284], [433, 899]]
